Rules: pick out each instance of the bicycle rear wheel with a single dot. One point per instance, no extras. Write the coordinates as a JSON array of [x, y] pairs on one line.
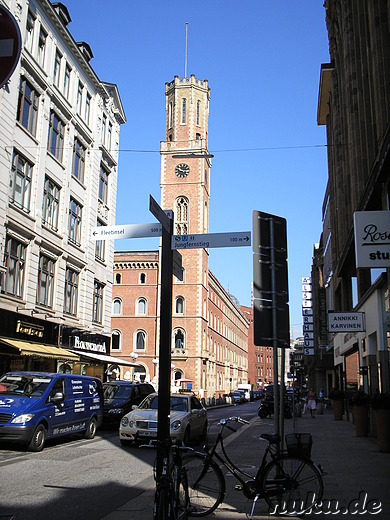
[[291, 485], [206, 484]]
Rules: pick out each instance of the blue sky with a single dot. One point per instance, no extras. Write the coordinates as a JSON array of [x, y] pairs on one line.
[[262, 60]]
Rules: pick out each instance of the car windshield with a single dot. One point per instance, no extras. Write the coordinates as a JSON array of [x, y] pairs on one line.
[[178, 403], [118, 391], [31, 386]]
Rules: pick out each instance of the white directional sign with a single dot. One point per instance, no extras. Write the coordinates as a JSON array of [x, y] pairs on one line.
[[126, 231], [211, 240]]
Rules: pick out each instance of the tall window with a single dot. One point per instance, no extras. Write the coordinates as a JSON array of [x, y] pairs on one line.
[[179, 339], [87, 108], [103, 185], [56, 136], [179, 305], [117, 307], [97, 312], [78, 167], [57, 68], [74, 222], [141, 306], [67, 80], [71, 290], [140, 340], [29, 31], [115, 340], [170, 115], [79, 102], [27, 106], [142, 278], [104, 125], [181, 216], [100, 246], [109, 136], [20, 182], [184, 111], [51, 202], [45, 281], [198, 112], [42, 47], [14, 262]]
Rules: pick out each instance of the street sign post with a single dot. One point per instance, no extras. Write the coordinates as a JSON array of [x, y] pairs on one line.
[[126, 231], [235, 239], [10, 45]]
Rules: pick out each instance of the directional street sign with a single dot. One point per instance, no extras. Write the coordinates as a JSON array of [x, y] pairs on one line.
[[159, 213], [126, 231], [241, 238]]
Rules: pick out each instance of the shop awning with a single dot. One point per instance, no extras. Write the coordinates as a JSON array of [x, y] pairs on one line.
[[28, 348], [103, 358]]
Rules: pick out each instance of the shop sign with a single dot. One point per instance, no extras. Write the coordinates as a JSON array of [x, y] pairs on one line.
[[345, 322], [29, 329], [89, 346], [372, 238]]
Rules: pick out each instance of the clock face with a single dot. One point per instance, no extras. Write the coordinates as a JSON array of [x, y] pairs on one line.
[[182, 170]]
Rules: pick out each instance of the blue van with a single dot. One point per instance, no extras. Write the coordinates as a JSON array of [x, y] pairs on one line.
[[35, 406]]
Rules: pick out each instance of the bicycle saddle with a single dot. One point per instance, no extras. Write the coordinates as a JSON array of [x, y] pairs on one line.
[[272, 438]]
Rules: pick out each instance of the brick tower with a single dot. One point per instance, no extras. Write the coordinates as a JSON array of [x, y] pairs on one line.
[[185, 188]]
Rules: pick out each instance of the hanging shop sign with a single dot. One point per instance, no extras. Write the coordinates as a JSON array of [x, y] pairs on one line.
[[372, 238], [346, 322]]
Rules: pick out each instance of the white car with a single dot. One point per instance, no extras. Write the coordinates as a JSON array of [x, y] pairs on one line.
[[188, 420]]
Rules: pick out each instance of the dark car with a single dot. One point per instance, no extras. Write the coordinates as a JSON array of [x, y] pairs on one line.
[[236, 397], [120, 396]]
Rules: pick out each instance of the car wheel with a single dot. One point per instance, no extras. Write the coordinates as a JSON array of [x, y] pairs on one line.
[[38, 439], [186, 438], [91, 430]]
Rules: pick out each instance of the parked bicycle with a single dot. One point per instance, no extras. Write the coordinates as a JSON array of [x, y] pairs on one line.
[[171, 499], [286, 480]]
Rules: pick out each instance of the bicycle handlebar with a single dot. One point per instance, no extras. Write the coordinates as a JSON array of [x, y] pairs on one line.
[[223, 422]]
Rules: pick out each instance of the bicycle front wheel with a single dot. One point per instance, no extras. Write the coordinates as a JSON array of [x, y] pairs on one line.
[[291, 485], [206, 484], [162, 504]]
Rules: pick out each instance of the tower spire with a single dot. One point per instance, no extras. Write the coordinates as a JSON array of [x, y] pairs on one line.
[[185, 58]]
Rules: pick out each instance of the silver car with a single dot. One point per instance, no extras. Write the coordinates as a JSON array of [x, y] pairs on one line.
[[188, 420]]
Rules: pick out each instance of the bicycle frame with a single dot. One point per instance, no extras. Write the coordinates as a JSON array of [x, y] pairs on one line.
[[249, 488]]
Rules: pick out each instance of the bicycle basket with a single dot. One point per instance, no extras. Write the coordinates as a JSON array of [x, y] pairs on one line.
[[299, 444]]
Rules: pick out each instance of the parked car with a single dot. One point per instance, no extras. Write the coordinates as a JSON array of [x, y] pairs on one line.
[[187, 416], [120, 396], [236, 397], [35, 406], [245, 394]]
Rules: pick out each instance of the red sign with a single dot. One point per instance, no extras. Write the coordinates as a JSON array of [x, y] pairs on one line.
[[10, 45]]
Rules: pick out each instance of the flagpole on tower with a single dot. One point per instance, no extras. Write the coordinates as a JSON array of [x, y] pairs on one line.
[[185, 61]]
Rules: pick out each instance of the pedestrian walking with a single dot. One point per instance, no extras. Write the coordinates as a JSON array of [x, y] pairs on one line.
[[311, 402]]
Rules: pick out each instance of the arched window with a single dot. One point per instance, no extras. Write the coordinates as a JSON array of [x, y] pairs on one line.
[[184, 111], [142, 278], [179, 339], [140, 340], [141, 307], [117, 307], [116, 340], [181, 215], [179, 305], [118, 278], [170, 115]]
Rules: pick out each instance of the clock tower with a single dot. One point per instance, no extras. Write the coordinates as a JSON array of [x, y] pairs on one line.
[[185, 189]]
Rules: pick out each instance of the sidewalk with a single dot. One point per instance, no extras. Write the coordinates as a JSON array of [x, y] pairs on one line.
[[358, 475]]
